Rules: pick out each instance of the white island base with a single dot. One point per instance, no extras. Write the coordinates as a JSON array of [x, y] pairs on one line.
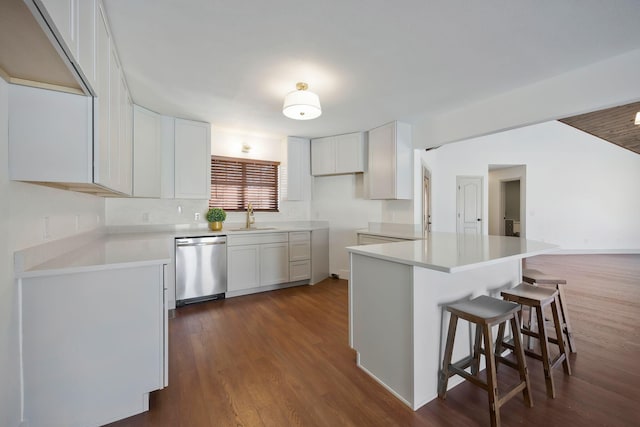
[[397, 295]]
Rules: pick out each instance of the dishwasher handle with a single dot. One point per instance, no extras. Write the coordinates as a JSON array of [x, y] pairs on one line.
[[201, 241]]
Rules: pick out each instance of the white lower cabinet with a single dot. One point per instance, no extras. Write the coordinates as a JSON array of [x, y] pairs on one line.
[[299, 255], [255, 260], [299, 270], [243, 267], [94, 344], [274, 263]]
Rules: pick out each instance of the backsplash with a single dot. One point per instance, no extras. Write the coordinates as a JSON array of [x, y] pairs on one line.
[[170, 211]]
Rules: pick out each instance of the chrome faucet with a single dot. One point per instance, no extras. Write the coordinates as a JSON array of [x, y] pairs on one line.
[[250, 218]]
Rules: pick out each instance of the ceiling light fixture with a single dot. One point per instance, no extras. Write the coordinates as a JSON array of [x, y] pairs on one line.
[[637, 118], [301, 104]]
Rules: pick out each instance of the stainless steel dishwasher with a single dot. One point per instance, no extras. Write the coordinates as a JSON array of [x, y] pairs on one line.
[[201, 269]]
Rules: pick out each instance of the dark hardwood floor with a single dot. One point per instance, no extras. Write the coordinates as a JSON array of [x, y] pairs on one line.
[[282, 358]]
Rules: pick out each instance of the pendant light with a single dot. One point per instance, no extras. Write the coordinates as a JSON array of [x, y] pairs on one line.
[[301, 104]]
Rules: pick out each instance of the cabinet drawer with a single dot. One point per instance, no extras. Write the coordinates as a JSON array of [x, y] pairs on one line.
[[256, 238], [299, 270], [299, 236], [299, 245]]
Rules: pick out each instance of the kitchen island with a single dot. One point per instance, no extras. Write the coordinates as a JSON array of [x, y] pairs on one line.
[[397, 295]]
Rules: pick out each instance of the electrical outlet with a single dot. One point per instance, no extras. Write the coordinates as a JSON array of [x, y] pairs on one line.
[[196, 216]]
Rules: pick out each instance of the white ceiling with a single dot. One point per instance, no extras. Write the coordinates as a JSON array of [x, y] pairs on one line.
[[232, 62]]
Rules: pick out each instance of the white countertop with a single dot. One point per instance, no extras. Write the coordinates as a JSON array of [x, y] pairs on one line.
[[126, 247], [109, 251], [452, 252]]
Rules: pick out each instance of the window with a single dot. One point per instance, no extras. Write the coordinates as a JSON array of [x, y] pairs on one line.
[[237, 182]]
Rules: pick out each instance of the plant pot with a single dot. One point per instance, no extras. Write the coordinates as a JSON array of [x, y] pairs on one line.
[[215, 225]]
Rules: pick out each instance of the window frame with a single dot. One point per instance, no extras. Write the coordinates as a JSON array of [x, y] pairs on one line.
[[251, 169]]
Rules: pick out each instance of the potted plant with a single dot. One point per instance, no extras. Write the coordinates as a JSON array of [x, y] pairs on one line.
[[216, 217]]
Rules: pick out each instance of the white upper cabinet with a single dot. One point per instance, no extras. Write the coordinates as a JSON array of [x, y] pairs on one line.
[[74, 26], [64, 15], [390, 162], [298, 169], [87, 19], [95, 133], [192, 160], [339, 154], [147, 154], [45, 145], [102, 131]]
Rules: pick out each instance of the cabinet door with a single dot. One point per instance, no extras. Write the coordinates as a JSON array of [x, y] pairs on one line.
[[87, 17], [126, 140], [45, 145], [299, 270], [382, 162], [192, 160], [243, 267], [298, 164], [64, 14], [350, 152], [114, 122], [101, 142], [147, 159], [323, 156], [274, 263]]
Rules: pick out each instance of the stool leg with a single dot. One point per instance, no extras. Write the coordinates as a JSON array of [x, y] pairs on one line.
[[492, 384], [475, 365], [544, 351], [561, 346], [448, 352], [565, 319], [522, 363]]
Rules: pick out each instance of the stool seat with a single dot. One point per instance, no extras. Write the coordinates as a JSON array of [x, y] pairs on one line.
[[485, 312], [537, 277], [538, 298], [531, 275], [483, 309]]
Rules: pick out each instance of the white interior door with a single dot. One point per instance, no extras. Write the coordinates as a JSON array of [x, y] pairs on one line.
[[469, 204]]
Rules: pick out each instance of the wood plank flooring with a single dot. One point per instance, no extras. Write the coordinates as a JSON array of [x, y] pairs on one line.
[[282, 358]]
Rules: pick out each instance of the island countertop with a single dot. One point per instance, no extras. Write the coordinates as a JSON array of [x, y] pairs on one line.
[[452, 252]]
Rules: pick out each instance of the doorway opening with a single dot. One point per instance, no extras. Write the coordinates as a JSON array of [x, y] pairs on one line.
[[507, 200]]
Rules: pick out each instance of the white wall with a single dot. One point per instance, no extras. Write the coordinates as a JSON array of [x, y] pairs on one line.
[[582, 193], [339, 199], [22, 213]]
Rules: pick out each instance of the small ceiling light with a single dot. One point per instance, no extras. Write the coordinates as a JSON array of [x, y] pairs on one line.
[[637, 118], [246, 147], [301, 104]]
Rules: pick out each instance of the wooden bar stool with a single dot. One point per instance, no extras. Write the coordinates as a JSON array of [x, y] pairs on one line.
[[538, 298], [485, 312], [536, 277]]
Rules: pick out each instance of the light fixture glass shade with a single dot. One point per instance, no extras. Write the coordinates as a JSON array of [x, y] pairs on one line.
[[637, 118], [301, 104]]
